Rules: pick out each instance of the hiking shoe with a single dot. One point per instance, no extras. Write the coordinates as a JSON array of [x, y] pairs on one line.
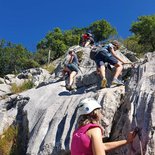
[[70, 88], [117, 82], [103, 83]]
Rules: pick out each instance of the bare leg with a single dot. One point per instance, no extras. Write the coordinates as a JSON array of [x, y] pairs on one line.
[[71, 77], [102, 71], [87, 43], [119, 68], [102, 74]]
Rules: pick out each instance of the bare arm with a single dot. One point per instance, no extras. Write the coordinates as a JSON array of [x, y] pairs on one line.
[[96, 137], [116, 144], [114, 54], [113, 145], [99, 147], [71, 58]]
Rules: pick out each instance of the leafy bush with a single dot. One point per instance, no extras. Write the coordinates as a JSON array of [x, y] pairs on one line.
[[144, 29], [25, 86], [14, 58], [131, 43]]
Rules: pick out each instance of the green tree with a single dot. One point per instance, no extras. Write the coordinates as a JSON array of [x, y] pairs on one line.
[[144, 29], [41, 56], [56, 34], [54, 41], [102, 30], [71, 38], [14, 58], [131, 43], [2, 43], [59, 48], [79, 31], [42, 44], [58, 41]]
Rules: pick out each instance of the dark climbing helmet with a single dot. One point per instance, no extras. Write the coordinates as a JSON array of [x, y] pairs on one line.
[[89, 34]]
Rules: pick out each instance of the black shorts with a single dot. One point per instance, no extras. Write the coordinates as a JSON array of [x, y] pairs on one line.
[[103, 57]]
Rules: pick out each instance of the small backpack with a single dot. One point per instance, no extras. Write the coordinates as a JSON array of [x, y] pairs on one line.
[[93, 52]]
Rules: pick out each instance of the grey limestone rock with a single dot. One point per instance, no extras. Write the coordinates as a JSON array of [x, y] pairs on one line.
[[48, 114]]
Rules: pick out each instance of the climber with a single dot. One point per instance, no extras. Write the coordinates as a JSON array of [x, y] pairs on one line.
[[87, 138], [71, 68], [87, 39], [107, 55]]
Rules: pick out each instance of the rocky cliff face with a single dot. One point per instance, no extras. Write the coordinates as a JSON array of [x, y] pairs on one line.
[[47, 114], [138, 109], [141, 94]]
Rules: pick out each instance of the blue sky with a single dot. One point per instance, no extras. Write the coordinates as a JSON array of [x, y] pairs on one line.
[[27, 22]]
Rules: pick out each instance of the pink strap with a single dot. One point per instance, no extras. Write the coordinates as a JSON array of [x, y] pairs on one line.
[[90, 126]]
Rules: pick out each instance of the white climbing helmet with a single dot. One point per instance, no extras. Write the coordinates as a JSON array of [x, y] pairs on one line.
[[87, 105]]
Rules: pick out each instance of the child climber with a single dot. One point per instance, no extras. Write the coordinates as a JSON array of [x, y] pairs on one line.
[[71, 68], [87, 138], [107, 54]]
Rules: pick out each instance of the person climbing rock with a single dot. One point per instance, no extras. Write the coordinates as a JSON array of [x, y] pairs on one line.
[[71, 69], [87, 138], [107, 55], [87, 39]]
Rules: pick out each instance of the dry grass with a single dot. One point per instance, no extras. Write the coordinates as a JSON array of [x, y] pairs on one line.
[[80, 55], [50, 68], [7, 140], [25, 86]]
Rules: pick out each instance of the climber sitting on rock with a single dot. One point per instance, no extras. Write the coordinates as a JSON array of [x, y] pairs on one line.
[[107, 55], [71, 68]]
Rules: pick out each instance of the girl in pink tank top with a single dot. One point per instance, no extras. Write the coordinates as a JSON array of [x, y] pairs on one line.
[[87, 138], [81, 143]]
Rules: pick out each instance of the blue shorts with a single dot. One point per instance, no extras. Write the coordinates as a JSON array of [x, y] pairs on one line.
[[103, 57], [73, 67]]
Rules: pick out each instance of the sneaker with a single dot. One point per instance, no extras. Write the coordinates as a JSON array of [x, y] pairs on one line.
[[117, 82], [103, 83]]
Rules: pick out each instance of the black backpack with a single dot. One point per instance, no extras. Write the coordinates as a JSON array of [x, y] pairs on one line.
[[93, 52]]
